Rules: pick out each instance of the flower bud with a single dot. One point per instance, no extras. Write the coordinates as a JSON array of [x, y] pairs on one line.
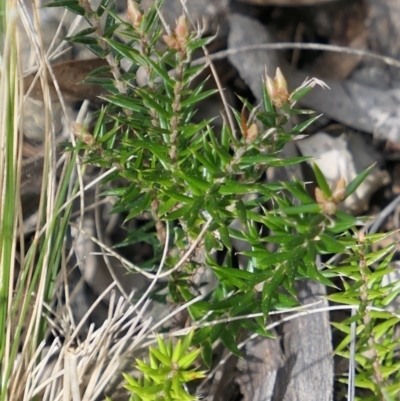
[[82, 133], [134, 13], [252, 133], [171, 42], [327, 205], [178, 40], [280, 80], [270, 87], [277, 89], [339, 191], [319, 196], [181, 30]]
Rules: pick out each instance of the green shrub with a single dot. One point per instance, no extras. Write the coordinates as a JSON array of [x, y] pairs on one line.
[[193, 183]]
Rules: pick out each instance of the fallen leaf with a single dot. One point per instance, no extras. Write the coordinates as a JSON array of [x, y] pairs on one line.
[[69, 75]]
